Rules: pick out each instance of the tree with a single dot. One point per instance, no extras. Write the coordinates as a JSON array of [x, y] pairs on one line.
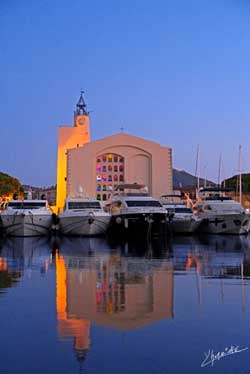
[[9, 184]]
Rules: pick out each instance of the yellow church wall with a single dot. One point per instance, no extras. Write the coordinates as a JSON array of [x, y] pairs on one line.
[[68, 137]]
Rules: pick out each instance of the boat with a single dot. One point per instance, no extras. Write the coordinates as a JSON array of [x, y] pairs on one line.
[[134, 212], [181, 217], [26, 218], [83, 216], [220, 213]]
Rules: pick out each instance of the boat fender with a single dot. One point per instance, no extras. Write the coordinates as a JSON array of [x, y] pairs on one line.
[[118, 220], [149, 219], [55, 219], [90, 221]]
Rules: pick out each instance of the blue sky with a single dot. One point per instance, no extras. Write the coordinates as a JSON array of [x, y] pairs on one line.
[[174, 71]]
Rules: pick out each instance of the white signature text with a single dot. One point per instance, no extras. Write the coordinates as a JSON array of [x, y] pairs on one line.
[[211, 357]]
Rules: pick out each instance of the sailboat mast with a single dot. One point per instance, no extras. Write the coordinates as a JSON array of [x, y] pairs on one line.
[[219, 171], [197, 167], [205, 176]]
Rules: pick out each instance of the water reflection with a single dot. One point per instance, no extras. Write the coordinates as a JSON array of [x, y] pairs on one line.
[[127, 286]]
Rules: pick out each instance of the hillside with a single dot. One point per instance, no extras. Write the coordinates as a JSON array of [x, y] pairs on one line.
[[232, 182], [183, 179]]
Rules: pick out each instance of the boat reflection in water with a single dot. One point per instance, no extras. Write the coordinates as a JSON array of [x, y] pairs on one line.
[[95, 284], [20, 254], [212, 256]]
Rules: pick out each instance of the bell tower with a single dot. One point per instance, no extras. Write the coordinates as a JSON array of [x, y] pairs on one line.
[[81, 115], [70, 137]]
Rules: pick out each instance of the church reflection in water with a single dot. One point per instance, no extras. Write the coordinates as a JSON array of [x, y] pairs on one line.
[[108, 289]]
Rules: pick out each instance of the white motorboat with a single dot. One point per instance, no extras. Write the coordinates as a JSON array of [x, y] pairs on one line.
[[220, 213], [134, 212], [82, 216], [182, 219], [26, 218]]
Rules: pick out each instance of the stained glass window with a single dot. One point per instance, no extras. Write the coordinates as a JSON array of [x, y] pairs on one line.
[[111, 173]]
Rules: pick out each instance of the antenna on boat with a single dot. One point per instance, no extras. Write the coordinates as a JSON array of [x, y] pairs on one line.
[[79, 191], [240, 178]]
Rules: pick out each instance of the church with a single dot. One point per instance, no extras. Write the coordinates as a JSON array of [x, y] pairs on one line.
[[100, 165]]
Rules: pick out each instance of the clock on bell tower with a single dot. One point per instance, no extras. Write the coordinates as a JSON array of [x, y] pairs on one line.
[[81, 120]]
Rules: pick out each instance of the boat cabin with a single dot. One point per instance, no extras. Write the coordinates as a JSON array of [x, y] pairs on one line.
[[133, 189], [214, 193]]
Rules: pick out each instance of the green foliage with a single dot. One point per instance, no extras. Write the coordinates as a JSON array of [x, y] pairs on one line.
[[9, 184], [233, 183]]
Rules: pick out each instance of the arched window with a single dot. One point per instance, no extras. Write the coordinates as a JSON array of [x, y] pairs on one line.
[[115, 168], [110, 178], [121, 168], [104, 168], [104, 187], [110, 168], [121, 178], [98, 196], [104, 197], [99, 187], [115, 177]]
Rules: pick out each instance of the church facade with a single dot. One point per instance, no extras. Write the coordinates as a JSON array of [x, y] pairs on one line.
[[100, 165]]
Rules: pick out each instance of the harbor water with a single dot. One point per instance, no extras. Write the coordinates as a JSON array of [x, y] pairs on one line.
[[88, 305]]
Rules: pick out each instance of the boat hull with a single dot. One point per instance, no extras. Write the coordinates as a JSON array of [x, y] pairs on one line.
[[237, 224], [26, 224], [89, 225], [138, 224]]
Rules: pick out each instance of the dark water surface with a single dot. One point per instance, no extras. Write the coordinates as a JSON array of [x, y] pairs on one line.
[[91, 306]]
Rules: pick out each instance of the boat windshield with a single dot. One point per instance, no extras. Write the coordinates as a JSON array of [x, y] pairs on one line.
[[183, 210], [27, 205], [142, 203], [84, 205], [217, 197]]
